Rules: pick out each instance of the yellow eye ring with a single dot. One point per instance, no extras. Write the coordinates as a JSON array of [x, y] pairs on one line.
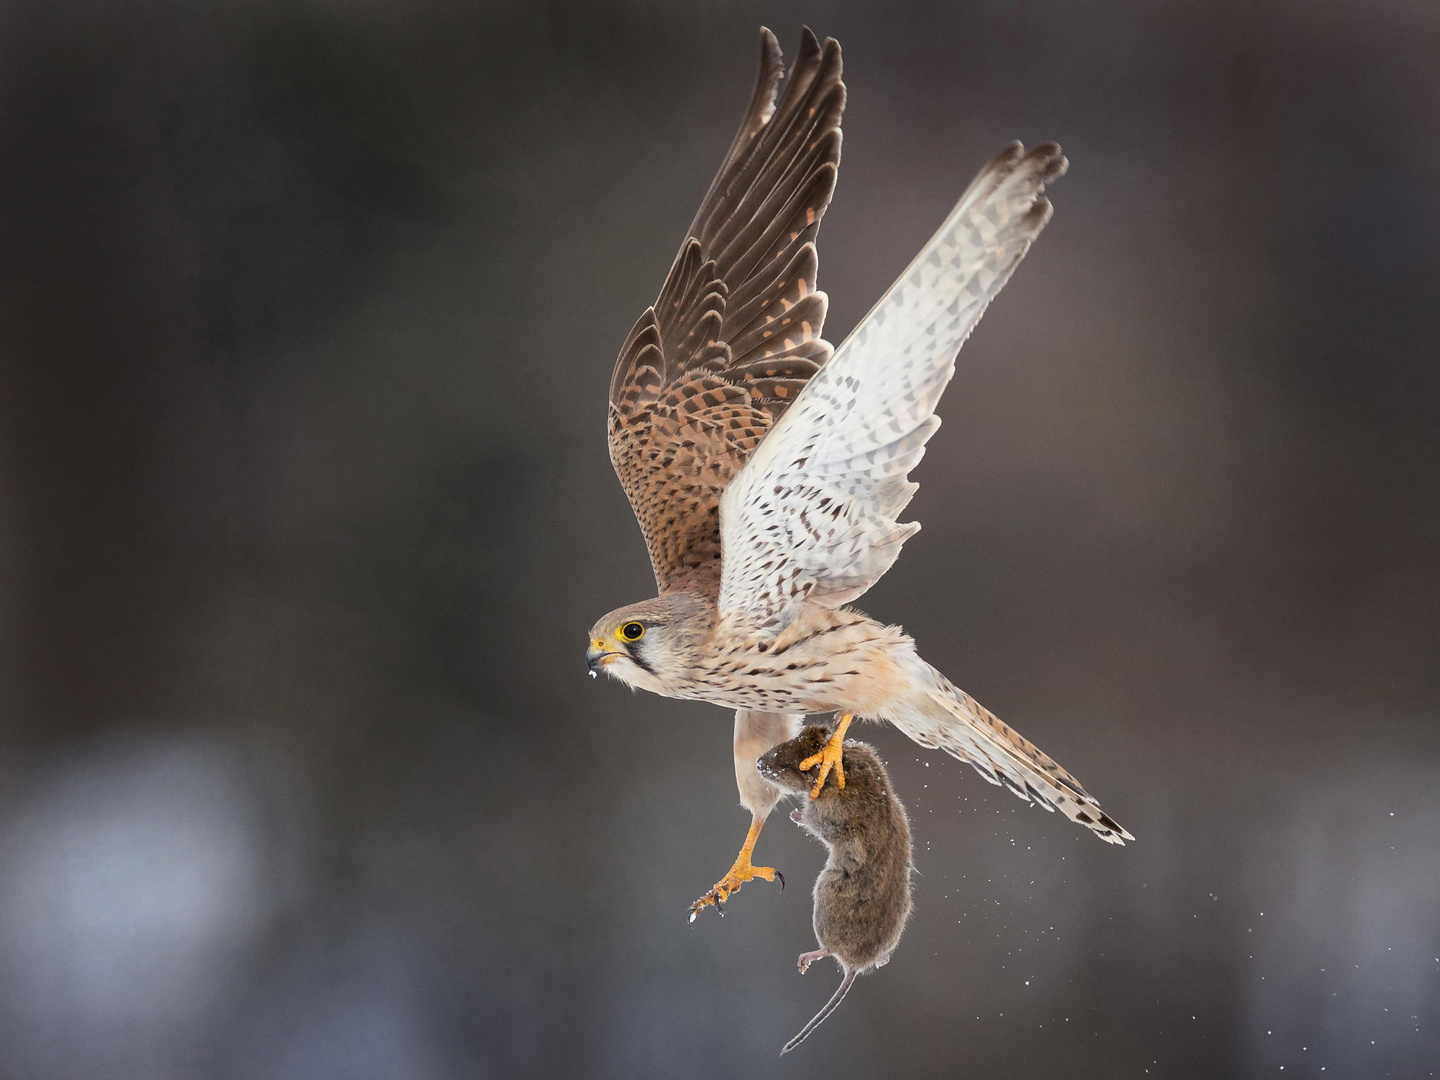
[[631, 631]]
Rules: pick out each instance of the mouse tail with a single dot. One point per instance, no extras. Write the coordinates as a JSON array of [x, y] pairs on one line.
[[819, 1019]]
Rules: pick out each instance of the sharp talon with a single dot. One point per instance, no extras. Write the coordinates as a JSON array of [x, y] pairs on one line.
[[742, 871], [830, 758], [692, 915], [782, 880]]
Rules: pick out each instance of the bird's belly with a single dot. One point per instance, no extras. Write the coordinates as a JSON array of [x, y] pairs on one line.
[[866, 688], [760, 698]]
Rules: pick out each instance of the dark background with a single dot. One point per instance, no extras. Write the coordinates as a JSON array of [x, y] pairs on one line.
[[307, 316]]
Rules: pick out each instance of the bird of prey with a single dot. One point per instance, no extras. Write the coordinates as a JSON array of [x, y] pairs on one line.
[[767, 469]]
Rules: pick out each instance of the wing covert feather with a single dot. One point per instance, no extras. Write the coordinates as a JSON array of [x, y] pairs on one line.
[[813, 513]]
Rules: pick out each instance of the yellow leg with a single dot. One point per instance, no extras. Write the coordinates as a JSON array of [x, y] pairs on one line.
[[830, 757], [742, 871]]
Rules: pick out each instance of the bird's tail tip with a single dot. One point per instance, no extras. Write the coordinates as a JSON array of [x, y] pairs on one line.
[[953, 721]]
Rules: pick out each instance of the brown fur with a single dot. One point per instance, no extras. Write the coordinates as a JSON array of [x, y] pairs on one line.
[[862, 897]]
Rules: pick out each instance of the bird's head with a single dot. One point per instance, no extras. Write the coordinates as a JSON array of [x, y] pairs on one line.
[[648, 644]]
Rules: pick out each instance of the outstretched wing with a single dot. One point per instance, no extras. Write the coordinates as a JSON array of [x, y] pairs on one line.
[[735, 334], [813, 512]]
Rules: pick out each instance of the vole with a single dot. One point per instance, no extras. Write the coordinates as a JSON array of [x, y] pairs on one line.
[[862, 897]]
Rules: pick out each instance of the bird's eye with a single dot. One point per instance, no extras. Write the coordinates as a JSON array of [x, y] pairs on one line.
[[632, 631]]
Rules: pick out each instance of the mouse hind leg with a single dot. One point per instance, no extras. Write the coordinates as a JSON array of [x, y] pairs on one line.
[[808, 958]]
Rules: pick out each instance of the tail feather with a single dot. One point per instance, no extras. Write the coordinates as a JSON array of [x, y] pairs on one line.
[[947, 718], [819, 1017]]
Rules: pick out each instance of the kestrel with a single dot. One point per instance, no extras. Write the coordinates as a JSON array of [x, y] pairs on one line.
[[767, 474]]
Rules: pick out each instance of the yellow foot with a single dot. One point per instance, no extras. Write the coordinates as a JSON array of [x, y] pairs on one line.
[[741, 872], [730, 884], [829, 757]]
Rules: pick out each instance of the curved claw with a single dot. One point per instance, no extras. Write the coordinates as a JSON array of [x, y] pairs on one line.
[[831, 757], [730, 885], [740, 872], [826, 765]]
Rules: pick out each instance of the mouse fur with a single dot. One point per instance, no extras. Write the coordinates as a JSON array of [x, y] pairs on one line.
[[862, 896]]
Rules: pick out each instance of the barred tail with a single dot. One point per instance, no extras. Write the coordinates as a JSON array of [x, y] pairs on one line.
[[945, 717], [819, 1019]]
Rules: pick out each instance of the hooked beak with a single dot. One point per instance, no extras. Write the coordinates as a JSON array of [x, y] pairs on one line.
[[597, 656]]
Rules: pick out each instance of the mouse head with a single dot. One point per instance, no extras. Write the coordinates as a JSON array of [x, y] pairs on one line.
[[781, 764]]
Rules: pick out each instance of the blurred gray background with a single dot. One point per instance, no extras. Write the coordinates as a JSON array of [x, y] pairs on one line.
[[307, 316]]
